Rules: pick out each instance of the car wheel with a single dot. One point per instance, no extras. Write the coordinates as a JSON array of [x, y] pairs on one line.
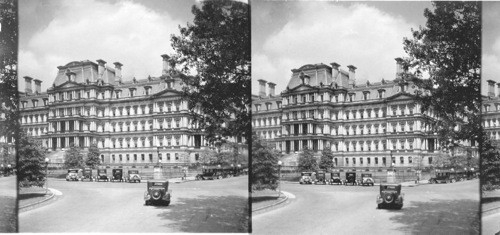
[[167, 203], [220, 177]]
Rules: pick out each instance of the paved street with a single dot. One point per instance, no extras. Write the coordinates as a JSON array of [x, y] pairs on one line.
[[197, 206], [490, 224], [332, 209], [8, 214]]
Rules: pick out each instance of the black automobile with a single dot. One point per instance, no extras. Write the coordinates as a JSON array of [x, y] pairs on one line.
[[102, 174], [390, 196], [157, 192], [320, 177], [367, 179], [133, 176], [444, 177], [117, 175], [87, 174], [335, 178], [350, 178], [208, 174]]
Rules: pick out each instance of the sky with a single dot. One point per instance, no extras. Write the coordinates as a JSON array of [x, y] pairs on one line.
[[368, 35], [490, 45], [132, 32]]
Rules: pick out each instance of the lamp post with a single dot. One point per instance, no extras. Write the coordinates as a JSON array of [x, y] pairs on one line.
[[46, 174], [279, 178]]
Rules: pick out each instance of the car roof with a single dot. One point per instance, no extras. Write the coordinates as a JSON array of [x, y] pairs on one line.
[[389, 184]]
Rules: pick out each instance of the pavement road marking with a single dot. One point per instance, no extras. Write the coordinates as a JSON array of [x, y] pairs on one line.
[[56, 192]]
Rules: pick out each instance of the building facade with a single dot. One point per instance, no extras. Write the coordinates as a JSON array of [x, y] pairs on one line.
[[491, 112], [371, 125], [138, 122]]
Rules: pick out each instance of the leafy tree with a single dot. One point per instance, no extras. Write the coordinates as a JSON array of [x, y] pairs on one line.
[[326, 160], [92, 159], [208, 157], [31, 162], [448, 51], [73, 158], [214, 54], [490, 164], [9, 98], [307, 161], [265, 169]]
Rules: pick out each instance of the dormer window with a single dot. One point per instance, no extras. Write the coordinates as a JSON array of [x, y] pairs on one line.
[[132, 92], [381, 94], [24, 104], [35, 103], [118, 94], [366, 94], [278, 103], [168, 85], [268, 106], [351, 97], [147, 90], [45, 102]]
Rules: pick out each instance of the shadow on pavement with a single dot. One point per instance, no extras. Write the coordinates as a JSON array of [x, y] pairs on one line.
[[8, 215], [264, 198], [490, 199], [439, 217], [208, 214], [30, 195]]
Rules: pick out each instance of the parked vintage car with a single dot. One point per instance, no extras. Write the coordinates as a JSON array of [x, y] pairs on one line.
[[133, 176], [117, 175], [87, 174], [350, 178], [367, 179], [102, 175], [157, 192], [320, 177], [307, 177], [72, 175], [208, 174], [444, 177], [390, 196], [335, 178]]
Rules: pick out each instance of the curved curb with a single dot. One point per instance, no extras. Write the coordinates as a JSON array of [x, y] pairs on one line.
[[26, 207], [491, 211], [274, 204]]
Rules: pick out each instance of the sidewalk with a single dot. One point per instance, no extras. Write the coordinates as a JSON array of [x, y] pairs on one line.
[[33, 196], [490, 202]]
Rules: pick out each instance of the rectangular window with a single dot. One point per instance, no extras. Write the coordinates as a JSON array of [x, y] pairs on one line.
[[142, 157], [430, 160], [176, 156], [168, 156], [401, 160], [135, 157]]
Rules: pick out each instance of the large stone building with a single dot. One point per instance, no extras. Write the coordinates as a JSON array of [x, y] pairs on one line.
[[370, 125], [491, 112], [137, 122]]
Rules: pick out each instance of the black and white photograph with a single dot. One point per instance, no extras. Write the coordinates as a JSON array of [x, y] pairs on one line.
[[366, 117], [8, 117], [490, 92], [133, 116]]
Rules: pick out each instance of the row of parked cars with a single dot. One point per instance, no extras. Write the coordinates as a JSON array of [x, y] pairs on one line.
[[320, 177], [212, 173], [449, 176], [157, 192], [102, 175]]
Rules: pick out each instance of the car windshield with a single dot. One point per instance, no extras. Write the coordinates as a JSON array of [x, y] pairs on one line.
[[335, 174], [390, 187], [72, 171], [366, 175]]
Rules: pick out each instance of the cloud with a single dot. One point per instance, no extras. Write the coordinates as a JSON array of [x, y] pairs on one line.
[[357, 35], [87, 29]]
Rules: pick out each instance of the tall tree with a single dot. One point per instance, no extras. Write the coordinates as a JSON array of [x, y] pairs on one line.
[[73, 158], [265, 168], [307, 161], [447, 51], [92, 159], [214, 55], [31, 162], [9, 98], [326, 160]]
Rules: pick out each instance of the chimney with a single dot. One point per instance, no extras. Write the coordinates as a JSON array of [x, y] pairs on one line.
[[118, 69], [27, 88], [498, 89], [335, 69], [262, 87], [271, 88], [38, 86], [399, 67], [491, 88], [352, 73], [166, 65], [101, 63]]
